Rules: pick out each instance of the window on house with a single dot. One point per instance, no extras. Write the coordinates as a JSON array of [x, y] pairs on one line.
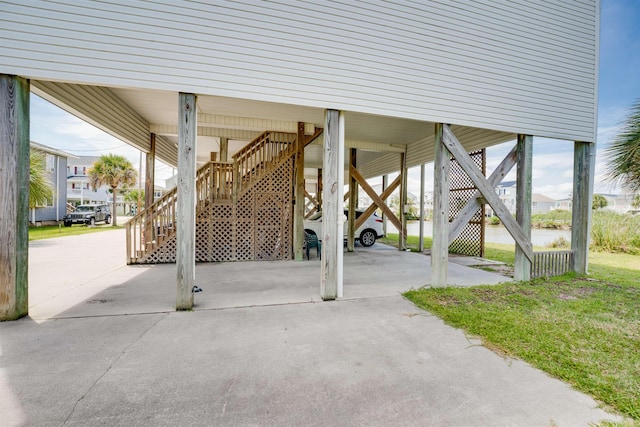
[[50, 163], [75, 170]]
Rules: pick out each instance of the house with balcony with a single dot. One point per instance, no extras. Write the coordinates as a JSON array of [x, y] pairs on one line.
[[79, 191]]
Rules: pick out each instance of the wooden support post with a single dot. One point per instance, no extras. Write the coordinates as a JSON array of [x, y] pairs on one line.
[[224, 150], [149, 186], [385, 181], [298, 207], [319, 190], [186, 204], [402, 238], [212, 156], [522, 265], [583, 176], [353, 197], [332, 206], [440, 246], [150, 170], [14, 197], [235, 181], [421, 233]]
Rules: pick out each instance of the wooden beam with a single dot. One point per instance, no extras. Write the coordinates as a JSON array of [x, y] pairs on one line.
[[457, 150], [377, 200], [475, 202], [186, 203], [214, 132], [372, 146], [583, 176], [14, 194], [298, 207], [245, 123], [312, 199], [310, 138], [332, 206], [522, 266], [353, 197], [440, 245]]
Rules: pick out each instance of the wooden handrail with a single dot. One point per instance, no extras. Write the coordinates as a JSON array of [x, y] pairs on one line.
[[153, 226]]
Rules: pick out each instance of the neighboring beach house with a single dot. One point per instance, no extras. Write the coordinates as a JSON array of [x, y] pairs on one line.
[[79, 191], [507, 192], [55, 166]]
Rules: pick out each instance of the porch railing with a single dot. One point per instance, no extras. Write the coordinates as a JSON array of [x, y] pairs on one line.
[[260, 157]]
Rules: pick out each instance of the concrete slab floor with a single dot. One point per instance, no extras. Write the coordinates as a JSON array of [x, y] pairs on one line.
[[103, 346], [374, 361]]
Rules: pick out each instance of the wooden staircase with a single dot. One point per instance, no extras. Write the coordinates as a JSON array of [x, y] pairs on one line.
[[231, 198]]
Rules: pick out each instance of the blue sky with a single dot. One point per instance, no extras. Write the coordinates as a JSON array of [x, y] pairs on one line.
[[619, 86]]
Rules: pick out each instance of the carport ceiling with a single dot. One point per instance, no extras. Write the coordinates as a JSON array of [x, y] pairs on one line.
[[162, 108], [131, 114]]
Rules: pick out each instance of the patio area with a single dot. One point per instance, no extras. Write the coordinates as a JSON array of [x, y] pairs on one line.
[[98, 282]]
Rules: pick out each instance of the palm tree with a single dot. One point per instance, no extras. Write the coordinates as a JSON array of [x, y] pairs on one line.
[[624, 153], [114, 171], [134, 197], [40, 188]]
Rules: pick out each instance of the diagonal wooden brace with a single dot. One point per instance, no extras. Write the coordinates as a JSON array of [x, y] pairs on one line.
[[474, 203], [378, 201], [457, 150]]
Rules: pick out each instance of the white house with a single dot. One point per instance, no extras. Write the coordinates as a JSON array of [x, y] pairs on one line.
[[507, 191], [79, 189], [395, 84]]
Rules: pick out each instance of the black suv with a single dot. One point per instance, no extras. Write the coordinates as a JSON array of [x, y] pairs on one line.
[[89, 215]]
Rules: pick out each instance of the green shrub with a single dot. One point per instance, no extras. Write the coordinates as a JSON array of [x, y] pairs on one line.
[[560, 242], [494, 220], [613, 232]]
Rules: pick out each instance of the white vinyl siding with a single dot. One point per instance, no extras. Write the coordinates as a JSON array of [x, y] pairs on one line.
[[517, 66]]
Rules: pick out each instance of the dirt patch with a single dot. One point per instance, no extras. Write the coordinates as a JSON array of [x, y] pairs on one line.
[[503, 270]]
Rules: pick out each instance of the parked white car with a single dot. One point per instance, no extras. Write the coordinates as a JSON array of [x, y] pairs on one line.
[[365, 234]]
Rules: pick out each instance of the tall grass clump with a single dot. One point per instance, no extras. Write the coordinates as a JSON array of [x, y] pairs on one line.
[[614, 232], [555, 219]]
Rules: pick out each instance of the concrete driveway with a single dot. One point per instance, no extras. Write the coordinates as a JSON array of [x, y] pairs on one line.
[[103, 346]]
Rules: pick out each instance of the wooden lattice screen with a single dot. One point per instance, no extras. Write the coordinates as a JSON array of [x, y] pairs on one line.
[[470, 241], [258, 227]]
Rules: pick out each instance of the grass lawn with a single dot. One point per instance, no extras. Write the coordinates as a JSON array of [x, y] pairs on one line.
[[583, 330], [50, 231]]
